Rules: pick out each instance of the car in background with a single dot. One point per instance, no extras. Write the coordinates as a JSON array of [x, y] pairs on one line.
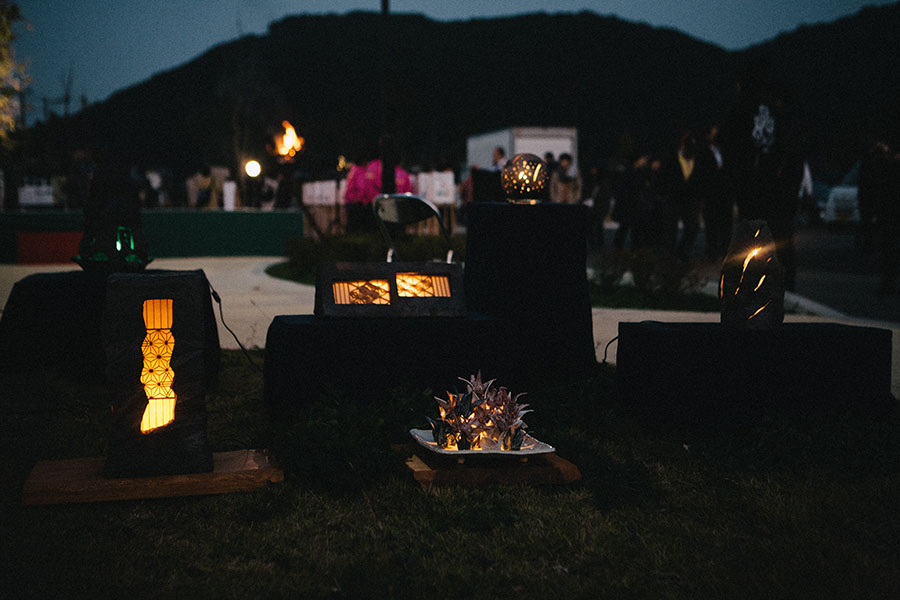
[[842, 203]]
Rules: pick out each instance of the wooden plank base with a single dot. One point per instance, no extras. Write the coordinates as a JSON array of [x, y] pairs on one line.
[[81, 480], [434, 469]]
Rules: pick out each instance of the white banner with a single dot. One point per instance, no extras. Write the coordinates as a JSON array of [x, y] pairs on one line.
[[320, 193], [36, 195], [443, 190], [437, 187]]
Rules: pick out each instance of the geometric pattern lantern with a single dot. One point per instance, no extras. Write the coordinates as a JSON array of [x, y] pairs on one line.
[[157, 375], [390, 289], [525, 179], [158, 387], [751, 286]]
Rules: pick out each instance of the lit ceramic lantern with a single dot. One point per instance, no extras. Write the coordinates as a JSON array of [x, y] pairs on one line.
[[157, 375], [525, 179], [158, 388], [751, 285], [390, 289]]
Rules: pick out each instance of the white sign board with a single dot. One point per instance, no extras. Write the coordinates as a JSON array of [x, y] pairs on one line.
[[437, 187], [36, 195], [320, 193]]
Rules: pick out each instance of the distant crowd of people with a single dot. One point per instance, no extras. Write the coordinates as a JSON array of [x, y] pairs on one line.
[[748, 166]]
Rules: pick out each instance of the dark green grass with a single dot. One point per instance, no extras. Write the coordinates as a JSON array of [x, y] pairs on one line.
[[629, 296], [790, 507]]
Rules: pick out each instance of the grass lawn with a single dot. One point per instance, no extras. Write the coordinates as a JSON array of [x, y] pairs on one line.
[[792, 507], [629, 296]]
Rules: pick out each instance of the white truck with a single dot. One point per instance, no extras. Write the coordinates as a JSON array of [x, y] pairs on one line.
[[516, 140]]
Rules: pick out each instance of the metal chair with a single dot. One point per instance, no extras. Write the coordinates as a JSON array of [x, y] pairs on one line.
[[406, 209]]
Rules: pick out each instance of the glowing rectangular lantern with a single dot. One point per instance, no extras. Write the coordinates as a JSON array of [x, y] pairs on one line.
[[389, 290], [157, 375], [418, 285], [158, 387], [377, 291]]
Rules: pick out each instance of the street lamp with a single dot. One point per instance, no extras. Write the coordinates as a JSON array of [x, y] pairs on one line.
[[252, 168]]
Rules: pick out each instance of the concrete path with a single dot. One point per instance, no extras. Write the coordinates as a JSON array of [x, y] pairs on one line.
[[251, 299]]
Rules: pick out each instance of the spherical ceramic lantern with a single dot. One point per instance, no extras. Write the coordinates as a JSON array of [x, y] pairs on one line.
[[751, 286], [525, 179]]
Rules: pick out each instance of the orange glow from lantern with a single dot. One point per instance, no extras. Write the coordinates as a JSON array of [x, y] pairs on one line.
[[416, 285], [157, 374], [489, 419], [751, 284], [750, 256], [375, 291], [524, 179], [288, 144], [759, 310]]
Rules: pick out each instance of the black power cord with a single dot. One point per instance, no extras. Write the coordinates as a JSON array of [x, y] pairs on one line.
[[215, 296], [605, 350]]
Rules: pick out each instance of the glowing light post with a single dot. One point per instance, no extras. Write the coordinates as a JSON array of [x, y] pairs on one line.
[[287, 145], [388, 156], [252, 169]]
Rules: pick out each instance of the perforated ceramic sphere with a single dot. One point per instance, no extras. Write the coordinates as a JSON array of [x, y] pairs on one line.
[[525, 177]]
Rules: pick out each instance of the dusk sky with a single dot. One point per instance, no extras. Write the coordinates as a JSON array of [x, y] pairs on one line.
[[112, 44]]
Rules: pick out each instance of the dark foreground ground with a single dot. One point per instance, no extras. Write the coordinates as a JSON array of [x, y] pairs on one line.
[[782, 505]]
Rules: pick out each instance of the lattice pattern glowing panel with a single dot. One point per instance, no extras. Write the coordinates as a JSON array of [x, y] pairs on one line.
[[375, 291], [417, 285], [157, 374]]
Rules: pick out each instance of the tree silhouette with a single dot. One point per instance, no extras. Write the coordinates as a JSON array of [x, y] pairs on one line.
[[12, 74]]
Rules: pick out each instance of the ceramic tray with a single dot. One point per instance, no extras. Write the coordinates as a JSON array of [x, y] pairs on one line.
[[530, 446]]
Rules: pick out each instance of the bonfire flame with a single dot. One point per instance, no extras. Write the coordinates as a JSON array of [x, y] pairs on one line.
[[288, 144]]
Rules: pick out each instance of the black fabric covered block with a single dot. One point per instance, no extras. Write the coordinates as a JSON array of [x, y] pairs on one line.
[[181, 445], [307, 356], [487, 186], [53, 319], [698, 373], [526, 264]]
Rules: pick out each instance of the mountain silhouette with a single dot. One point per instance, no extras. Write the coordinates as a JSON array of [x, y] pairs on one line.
[[625, 86]]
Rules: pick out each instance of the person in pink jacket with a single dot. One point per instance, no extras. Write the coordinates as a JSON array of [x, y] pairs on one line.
[[363, 184]]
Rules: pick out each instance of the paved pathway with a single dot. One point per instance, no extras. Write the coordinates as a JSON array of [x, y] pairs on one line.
[[251, 299]]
